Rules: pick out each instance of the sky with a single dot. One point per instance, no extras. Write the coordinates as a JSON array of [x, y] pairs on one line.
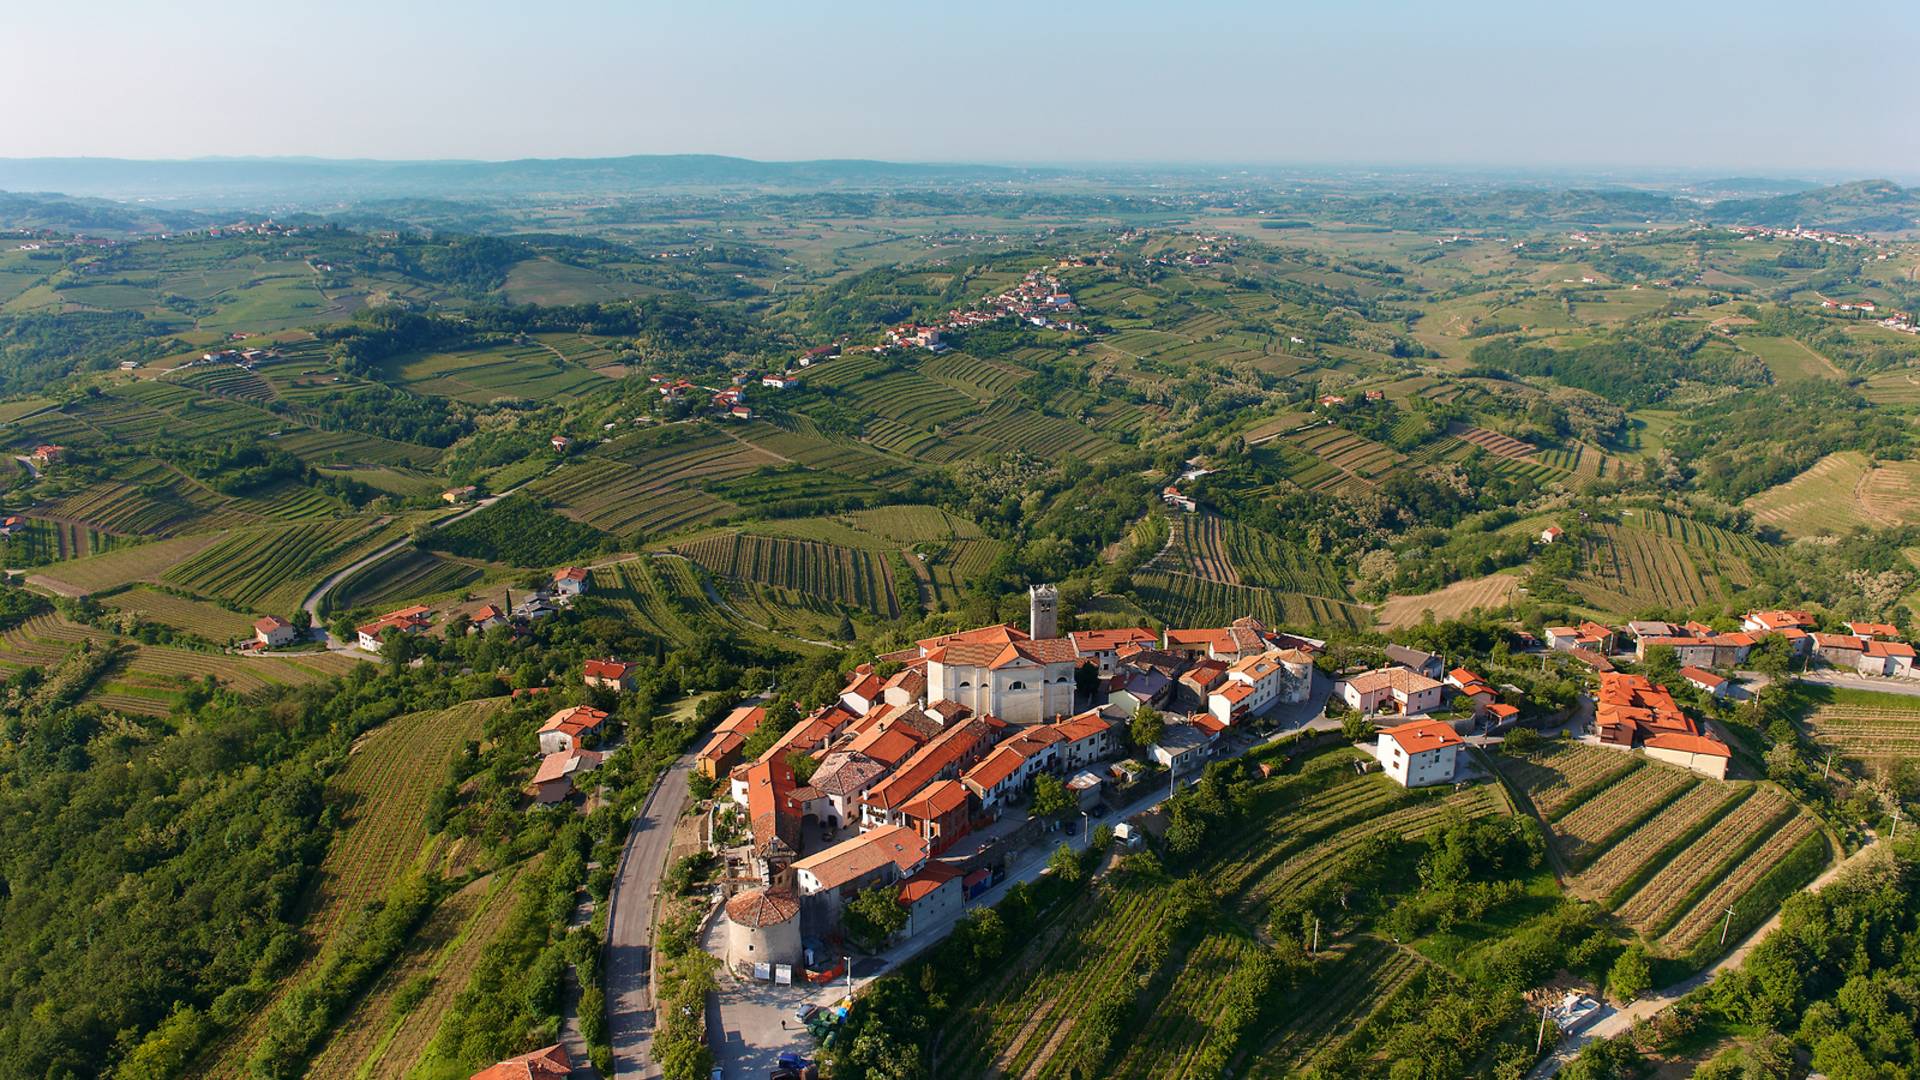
[[1710, 85]]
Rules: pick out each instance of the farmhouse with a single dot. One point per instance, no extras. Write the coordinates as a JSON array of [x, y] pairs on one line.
[[1874, 630], [1706, 756], [1713, 685], [779, 382], [1550, 534], [1588, 635], [572, 581], [1688, 651], [565, 729], [554, 780], [547, 1063], [1886, 658], [1172, 497], [47, 453], [1391, 690], [1185, 746], [456, 495], [608, 674], [1476, 690], [1760, 621], [1419, 753], [272, 631], [1840, 650], [484, 618], [408, 620], [560, 443]]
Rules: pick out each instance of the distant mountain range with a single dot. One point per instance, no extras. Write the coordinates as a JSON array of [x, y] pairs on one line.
[[227, 180], [115, 194]]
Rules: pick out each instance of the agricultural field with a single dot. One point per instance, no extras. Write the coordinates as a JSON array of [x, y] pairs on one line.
[[122, 566], [1452, 602], [208, 621], [1181, 599], [1663, 899], [1842, 491], [50, 540], [857, 578], [1212, 548], [1564, 774], [382, 793], [152, 677], [1346, 452], [1624, 569], [1875, 729], [410, 574], [1500, 446], [1024, 1021], [481, 376], [1617, 809], [667, 595], [1627, 861], [271, 568], [1790, 360], [650, 484]]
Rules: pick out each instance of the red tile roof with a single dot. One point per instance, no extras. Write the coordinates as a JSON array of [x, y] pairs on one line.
[[926, 882], [1422, 735], [549, 1063], [1692, 744], [267, 624], [852, 859], [1699, 675], [758, 908], [571, 573], [1873, 629], [1101, 640], [1890, 648], [575, 721], [607, 669], [938, 799]]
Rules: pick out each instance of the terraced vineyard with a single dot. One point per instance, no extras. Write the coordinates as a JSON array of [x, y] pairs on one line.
[[383, 793], [408, 574], [1181, 599], [50, 540], [1023, 1022], [271, 568], [1565, 774], [804, 444], [972, 375], [1501, 446], [651, 489], [1628, 858], [1663, 898], [122, 566], [1880, 733], [843, 575], [209, 621], [1627, 569], [1617, 809], [1452, 602], [1349, 453]]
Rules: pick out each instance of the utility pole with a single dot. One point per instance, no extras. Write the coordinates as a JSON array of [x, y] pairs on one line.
[[1827, 766], [1725, 926], [1540, 1040], [1316, 935]]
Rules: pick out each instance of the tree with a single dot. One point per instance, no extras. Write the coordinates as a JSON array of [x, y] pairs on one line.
[[1051, 797], [1631, 975], [1356, 727], [874, 916], [1662, 664], [1146, 727], [1065, 864], [1520, 740], [302, 620]]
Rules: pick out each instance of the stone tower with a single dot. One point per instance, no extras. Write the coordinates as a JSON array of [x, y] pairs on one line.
[[1043, 612]]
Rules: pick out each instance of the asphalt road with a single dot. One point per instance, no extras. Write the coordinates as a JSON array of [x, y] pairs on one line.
[[630, 923], [1883, 685]]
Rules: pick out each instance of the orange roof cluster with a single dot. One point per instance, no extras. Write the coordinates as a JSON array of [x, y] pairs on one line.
[[411, 620], [1000, 634], [953, 748], [995, 656], [1404, 680], [1781, 620], [1889, 648], [1632, 709], [938, 799]]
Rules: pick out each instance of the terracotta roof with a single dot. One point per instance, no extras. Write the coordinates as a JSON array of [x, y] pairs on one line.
[[1084, 725], [845, 774], [996, 768], [1101, 640], [1503, 711], [852, 859], [1889, 648], [579, 718], [926, 882], [607, 669], [720, 744], [549, 1063], [757, 908], [269, 623], [571, 573], [946, 751], [1780, 620], [1422, 735], [1209, 723], [1873, 629], [1258, 666], [937, 799], [743, 719], [1699, 675], [1692, 744], [1405, 680], [985, 635], [1235, 692], [564, 763], [1837, 641], [989, 655]]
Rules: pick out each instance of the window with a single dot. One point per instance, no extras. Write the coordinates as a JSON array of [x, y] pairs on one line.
[[1016, 685]]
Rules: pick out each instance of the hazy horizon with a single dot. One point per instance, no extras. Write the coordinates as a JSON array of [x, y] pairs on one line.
[[1711, 88]]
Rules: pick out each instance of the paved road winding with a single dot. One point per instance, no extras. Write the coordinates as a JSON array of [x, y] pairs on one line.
[[630, 923]]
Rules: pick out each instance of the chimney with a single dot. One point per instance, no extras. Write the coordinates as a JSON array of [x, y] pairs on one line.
[[1043, 612]]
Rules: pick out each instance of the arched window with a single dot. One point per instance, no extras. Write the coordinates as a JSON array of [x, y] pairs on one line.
[[1016, 685], [964, 684]]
